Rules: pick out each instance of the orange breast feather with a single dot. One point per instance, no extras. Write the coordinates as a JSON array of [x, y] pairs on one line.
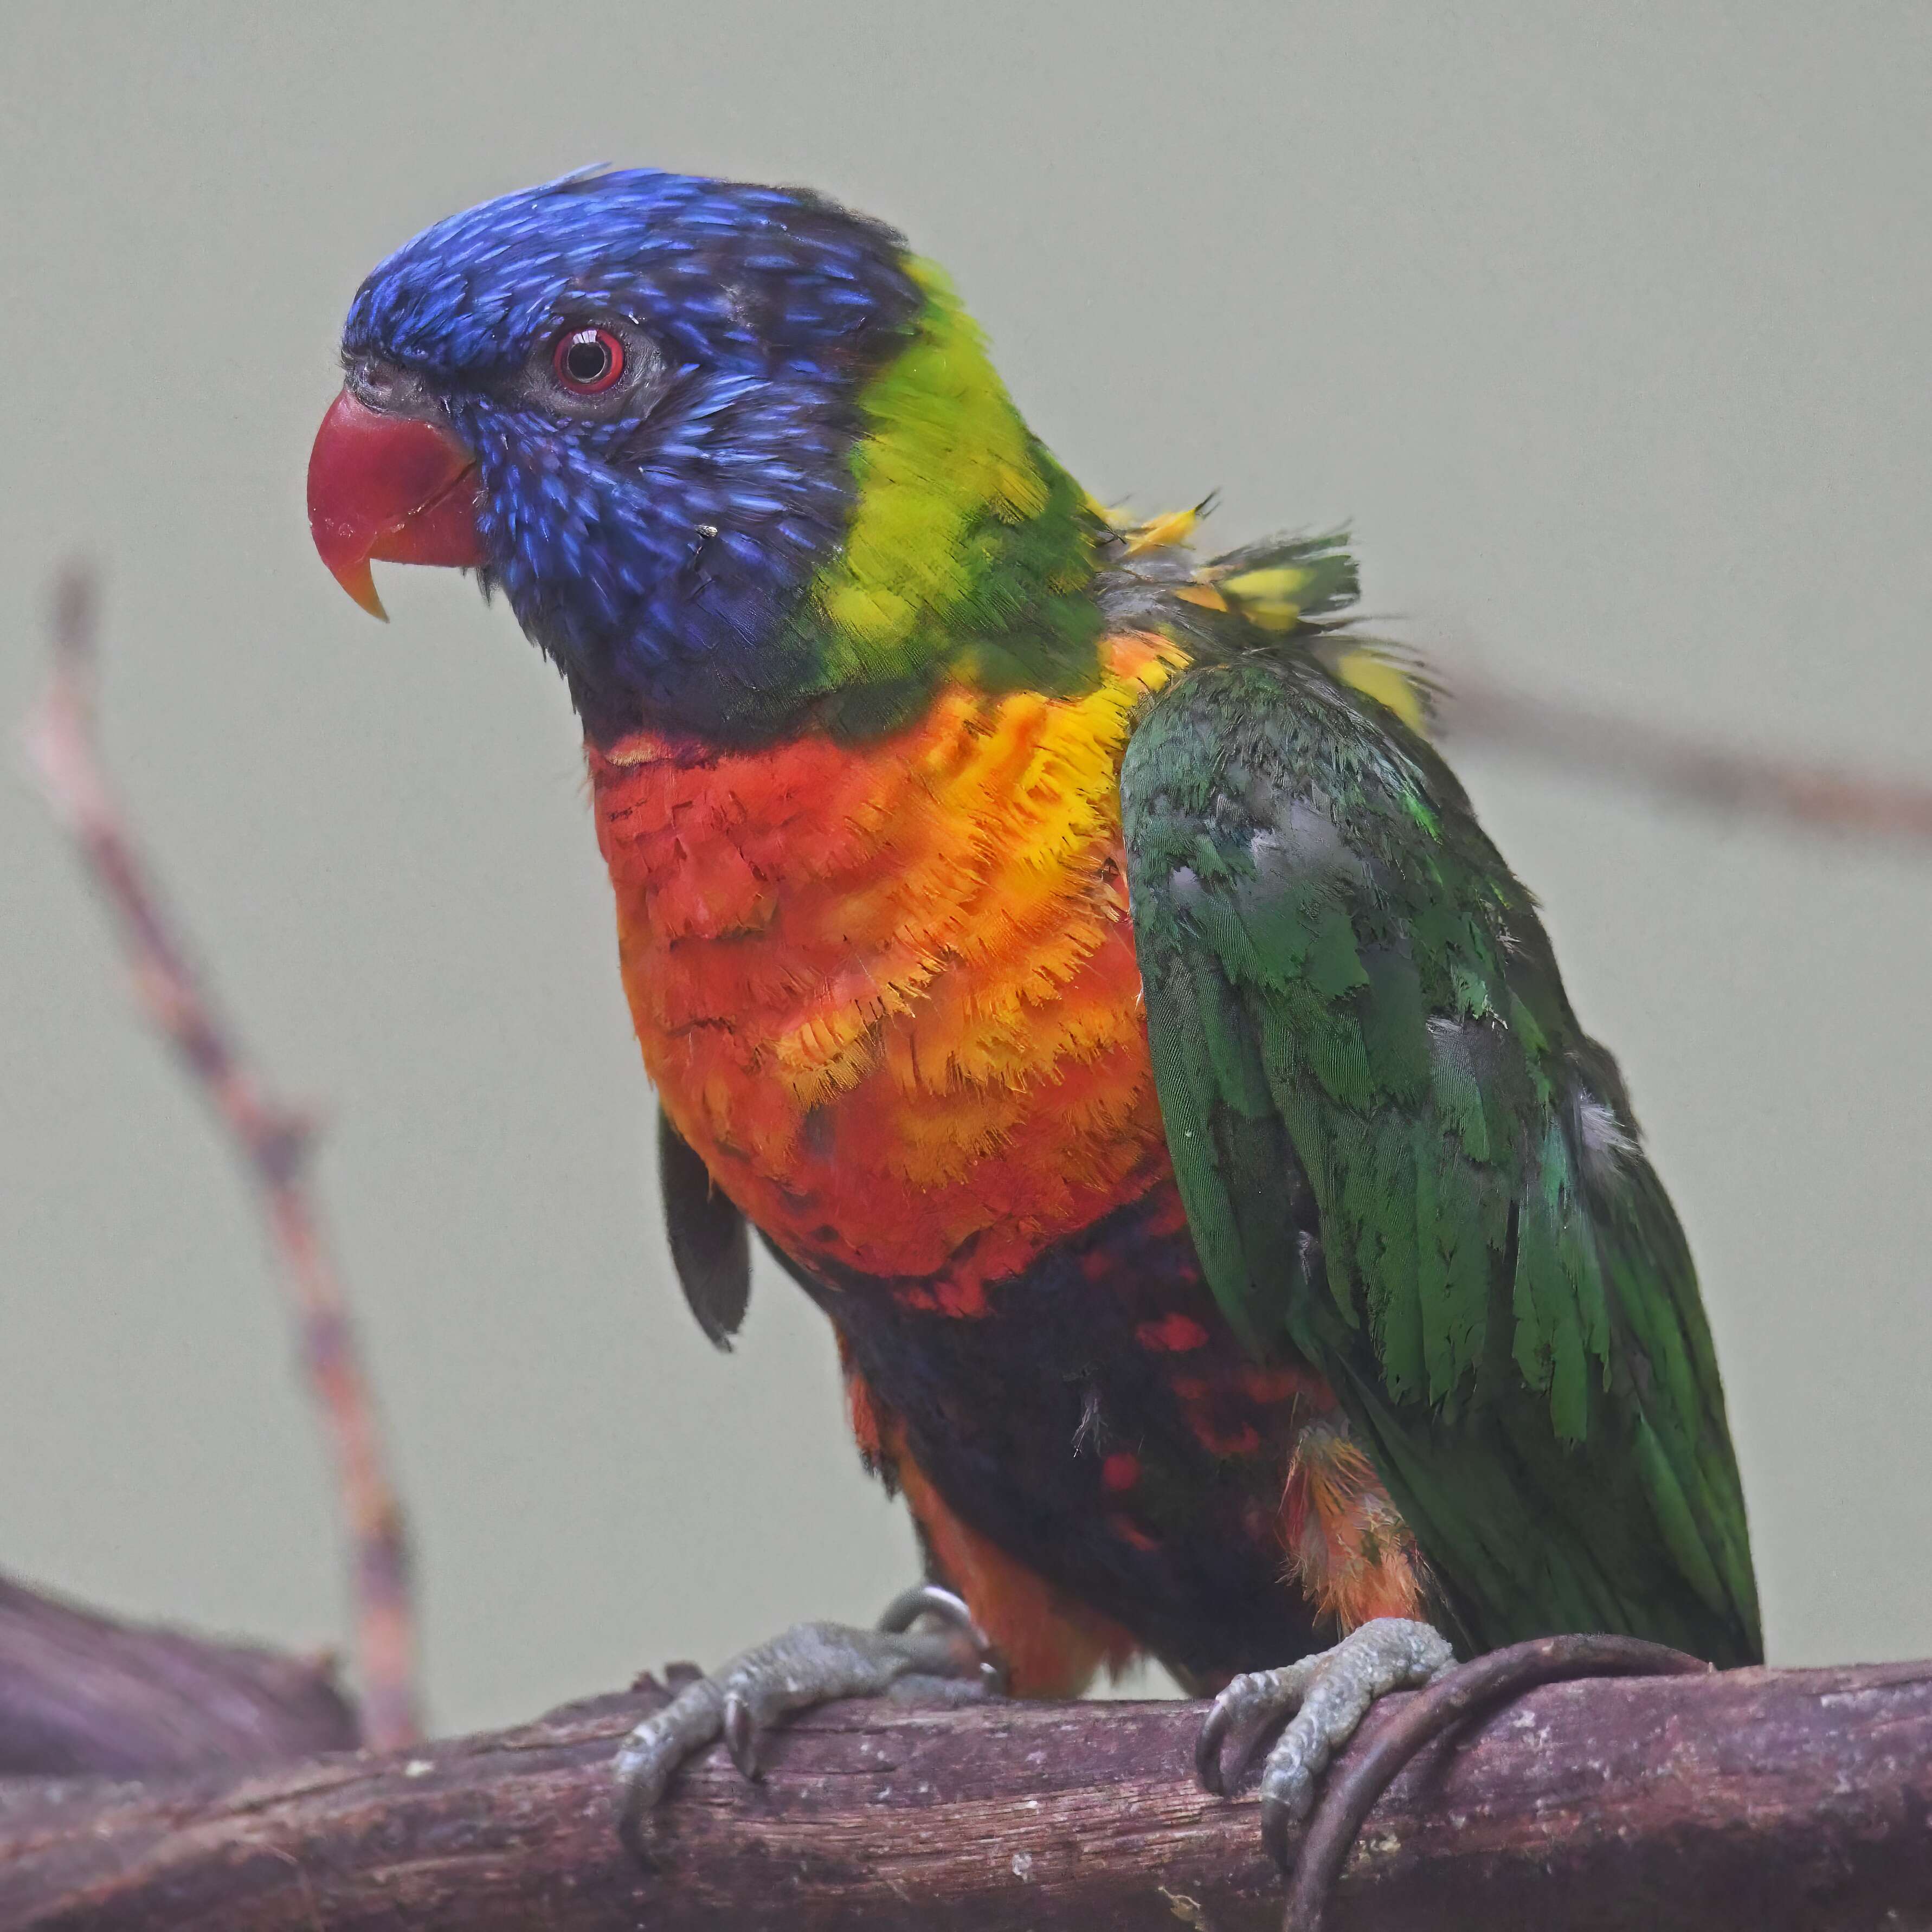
[[889, 990]]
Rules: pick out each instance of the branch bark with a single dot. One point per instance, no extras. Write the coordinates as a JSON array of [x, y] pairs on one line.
[[1771, 1800], [82, 1692]]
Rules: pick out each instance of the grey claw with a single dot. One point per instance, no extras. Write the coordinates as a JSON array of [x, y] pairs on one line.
[[929, 1600], [811, 1663], [632, 1812], [1242, 1715], [653, 1753], [1207, 1747], [741, 1736], [1276, 1819], [1325, 1698]]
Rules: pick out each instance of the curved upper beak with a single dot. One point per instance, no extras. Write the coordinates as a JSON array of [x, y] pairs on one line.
[[392, 489]]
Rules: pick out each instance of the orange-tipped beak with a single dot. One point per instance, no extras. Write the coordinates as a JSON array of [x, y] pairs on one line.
[[388, 489]]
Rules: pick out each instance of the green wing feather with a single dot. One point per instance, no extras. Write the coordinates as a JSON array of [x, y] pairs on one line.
[[1401, 1155]]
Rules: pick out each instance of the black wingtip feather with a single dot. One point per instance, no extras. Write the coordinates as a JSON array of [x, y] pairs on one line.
[[710, 1246]]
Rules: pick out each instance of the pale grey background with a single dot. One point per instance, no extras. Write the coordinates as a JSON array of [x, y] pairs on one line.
[[1609, 327]]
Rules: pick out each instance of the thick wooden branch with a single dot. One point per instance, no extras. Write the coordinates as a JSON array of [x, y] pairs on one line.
[[1771, 1801], [81, 1692]]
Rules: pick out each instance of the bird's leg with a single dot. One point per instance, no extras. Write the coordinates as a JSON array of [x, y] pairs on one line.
[[811, 1663], [1325, 1697], [1469, 1691]]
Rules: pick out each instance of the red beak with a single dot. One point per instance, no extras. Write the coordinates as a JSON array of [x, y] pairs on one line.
[[389, 489]]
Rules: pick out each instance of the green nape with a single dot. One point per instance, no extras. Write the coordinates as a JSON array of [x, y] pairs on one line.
[[970, 550]]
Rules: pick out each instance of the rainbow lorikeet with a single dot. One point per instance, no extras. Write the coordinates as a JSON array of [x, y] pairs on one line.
[[1073, 960]]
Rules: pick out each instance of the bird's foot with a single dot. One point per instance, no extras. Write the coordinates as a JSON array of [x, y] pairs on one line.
[[1325, 1697], [811, 1663], [1391, 1654]]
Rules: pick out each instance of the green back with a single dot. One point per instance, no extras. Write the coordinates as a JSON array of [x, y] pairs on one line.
[[1401, 1155]]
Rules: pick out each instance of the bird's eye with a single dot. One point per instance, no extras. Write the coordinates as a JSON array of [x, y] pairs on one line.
[[588, 361]]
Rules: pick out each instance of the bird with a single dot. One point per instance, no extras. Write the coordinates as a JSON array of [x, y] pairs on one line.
[[1071, 956]]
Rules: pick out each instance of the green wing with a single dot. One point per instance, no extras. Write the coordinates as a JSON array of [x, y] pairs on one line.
[[1401, 1155]]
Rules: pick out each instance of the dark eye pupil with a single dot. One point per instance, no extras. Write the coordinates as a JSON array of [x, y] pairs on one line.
[[586, 360]]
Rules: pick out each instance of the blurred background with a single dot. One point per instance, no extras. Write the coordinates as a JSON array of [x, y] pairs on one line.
[[1606, 327]]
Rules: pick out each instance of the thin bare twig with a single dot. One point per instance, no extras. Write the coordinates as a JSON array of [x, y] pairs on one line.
[[1671, 766], [274, 1142]]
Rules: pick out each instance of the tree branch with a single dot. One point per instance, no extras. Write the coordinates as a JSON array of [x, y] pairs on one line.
[[81, 1692], [1678, 768], [1773, 1801], [273, 1140]]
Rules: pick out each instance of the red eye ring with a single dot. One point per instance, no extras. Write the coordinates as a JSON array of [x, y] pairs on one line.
[[588, 361]]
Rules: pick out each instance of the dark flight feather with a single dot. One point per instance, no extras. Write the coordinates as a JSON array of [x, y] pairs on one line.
[[710, 1246]]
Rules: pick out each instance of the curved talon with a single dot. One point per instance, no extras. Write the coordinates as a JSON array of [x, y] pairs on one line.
[[1207, 1746], [741, 1736], [1469, 1691], [1276, 1817], [653, 1753], [1295, 1767], [929, 1600], [1247, 1706], [632, 1811], [810, 1664], [933, 1599]]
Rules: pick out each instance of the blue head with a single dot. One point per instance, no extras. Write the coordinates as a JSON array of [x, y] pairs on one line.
[[655, 378]]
